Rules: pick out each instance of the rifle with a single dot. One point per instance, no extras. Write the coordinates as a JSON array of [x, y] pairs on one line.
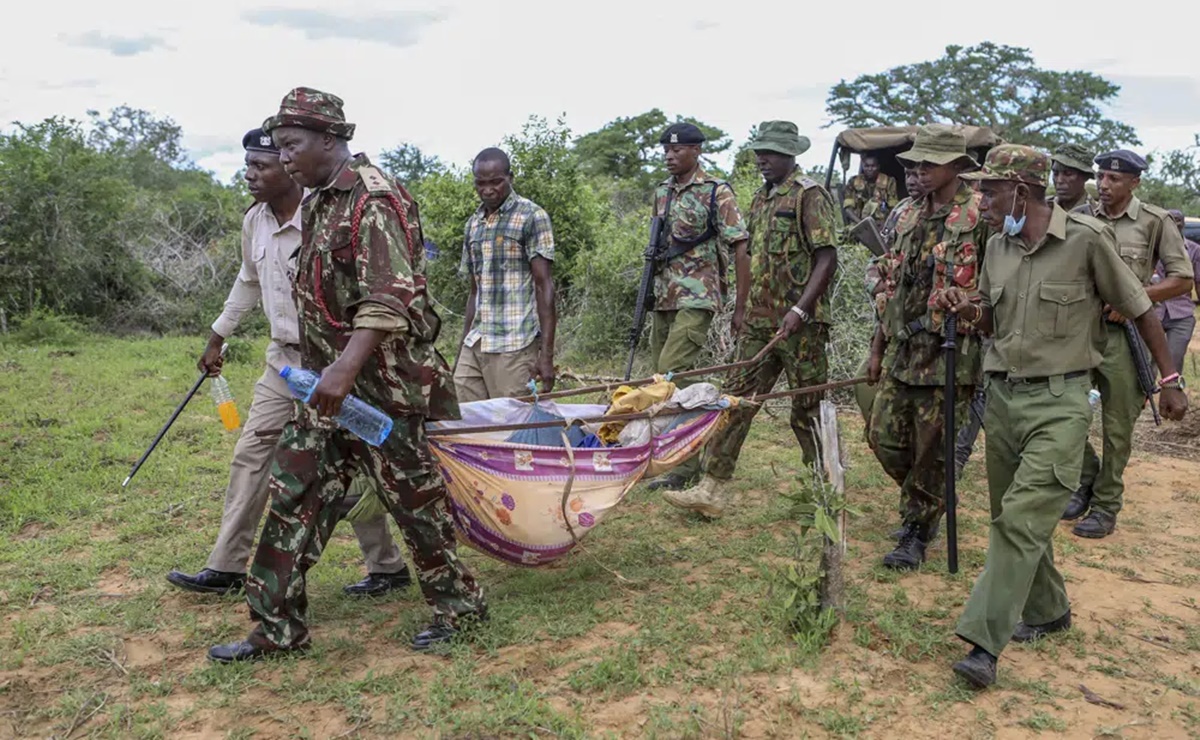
[[1141, 360], [174, 416], [949, 438], [866, 232], [646, 289]]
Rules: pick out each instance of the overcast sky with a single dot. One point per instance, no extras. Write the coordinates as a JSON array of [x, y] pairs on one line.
[[454, 76]]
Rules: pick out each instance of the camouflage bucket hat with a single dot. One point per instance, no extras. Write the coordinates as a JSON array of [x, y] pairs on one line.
[[780, 136], [311, 109], [1015, 163], [938, 144], [1074, 156]]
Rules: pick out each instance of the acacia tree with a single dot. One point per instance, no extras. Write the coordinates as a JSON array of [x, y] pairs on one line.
[[989, 85], [627, 149]]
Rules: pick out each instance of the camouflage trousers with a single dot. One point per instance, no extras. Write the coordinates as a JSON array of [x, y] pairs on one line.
[[905, 434], [312, 471], [802, 358]]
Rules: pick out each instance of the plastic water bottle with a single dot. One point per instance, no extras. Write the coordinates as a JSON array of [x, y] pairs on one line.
[[1093, 400], [226, 408], [359, 417]]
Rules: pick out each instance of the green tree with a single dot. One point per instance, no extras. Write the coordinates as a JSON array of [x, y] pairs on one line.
[[627, 149], [989, 85], [410, 165], [1174, 180]]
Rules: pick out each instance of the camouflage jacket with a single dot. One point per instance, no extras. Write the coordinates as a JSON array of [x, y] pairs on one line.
[[370, 278], [788, 223], [878, 267], [696, 279], [1084, 205], [932, 251], [882, 197]]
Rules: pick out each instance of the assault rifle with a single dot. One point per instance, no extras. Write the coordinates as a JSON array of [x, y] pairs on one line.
[[1141, 361], [645, 296]]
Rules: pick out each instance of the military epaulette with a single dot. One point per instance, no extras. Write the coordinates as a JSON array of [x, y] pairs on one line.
[[807, 182], [1155, 210], [375, 181], [1091, 222]]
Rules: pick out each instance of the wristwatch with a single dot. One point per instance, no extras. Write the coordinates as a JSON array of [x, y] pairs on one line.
[[1173, 381], [801, 313]]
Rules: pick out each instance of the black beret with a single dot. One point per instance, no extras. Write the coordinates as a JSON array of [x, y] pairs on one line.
[[1122, 160], [682, 133], [258, 140]]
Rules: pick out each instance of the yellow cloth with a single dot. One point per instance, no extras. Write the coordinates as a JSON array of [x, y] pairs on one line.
[[626, 400]]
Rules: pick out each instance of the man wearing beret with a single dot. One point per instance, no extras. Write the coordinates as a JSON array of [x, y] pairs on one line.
[[1046, 275], [793, 238], [270, 237], [702, 227], [869, 193], [938, 244], [368, 328], [1145, 235], [1071, 169]]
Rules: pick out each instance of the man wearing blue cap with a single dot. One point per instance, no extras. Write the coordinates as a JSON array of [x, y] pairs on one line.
[[270, 237], [1145, 235]]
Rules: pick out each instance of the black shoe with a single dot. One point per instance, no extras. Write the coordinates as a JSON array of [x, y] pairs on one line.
[[208, 581], [444, 634], [244, 651], [1030, 632], [1096, 525], [977, 669], [909, 552], [378, 584], [669, 482], [897, 534], [1079, 503]]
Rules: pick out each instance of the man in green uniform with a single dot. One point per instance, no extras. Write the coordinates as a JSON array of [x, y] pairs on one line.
[[793, 237], [1045, 278], [870, 193], [703, 228], [1145, 235], [1072, 168], [938, 244], [368, 327]]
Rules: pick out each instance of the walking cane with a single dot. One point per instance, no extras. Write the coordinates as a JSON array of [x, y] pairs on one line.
[[178, 410], [950, 345]]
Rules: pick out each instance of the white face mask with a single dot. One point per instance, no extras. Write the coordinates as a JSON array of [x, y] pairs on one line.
[[1013, 226]]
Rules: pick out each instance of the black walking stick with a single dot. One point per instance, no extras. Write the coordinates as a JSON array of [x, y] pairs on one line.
[[162, 432], [950, 345]]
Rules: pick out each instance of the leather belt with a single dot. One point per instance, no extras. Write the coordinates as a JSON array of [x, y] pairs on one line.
[[1038, 380]]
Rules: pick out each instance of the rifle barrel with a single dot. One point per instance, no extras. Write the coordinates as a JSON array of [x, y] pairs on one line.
[[948, 440]]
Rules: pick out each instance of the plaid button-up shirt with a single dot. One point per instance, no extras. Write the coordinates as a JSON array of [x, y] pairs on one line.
[[497, 250]]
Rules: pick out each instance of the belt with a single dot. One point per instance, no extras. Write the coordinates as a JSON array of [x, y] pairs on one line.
[[1039, 380]]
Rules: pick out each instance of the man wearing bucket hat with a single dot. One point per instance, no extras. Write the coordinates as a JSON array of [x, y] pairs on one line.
[[1145, 235], [938, 244], [793, 238], [368, 327], [1046, 275], [1071, 168], [702, 230]]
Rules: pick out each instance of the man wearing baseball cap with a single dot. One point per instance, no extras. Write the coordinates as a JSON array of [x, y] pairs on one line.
[[1046, 275]]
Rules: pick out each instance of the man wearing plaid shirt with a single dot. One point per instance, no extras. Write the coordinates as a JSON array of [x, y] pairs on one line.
[[508, 250]]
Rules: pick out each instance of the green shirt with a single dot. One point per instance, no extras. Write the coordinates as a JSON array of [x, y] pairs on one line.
[[1146, 234], [1047, 299]]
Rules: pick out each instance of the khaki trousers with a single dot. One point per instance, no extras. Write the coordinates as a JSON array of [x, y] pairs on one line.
[[482, 375], [246, 496]]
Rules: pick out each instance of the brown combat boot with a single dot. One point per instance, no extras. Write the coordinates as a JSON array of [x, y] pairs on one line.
[[709, 497]]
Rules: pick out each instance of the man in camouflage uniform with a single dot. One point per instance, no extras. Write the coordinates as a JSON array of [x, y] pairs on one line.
[[1145, 235], [870, 193], [937, 246], [702, 228], [1072, 169], [793, 236], [367, 326], [1046, 275]]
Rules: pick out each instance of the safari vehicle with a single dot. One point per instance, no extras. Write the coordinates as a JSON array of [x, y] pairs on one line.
[[885, 142]]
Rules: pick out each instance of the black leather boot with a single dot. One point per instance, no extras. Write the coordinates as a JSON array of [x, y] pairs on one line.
[[910, 550], [208, 581], [1030, 632], [1079, 503], [978, 668]]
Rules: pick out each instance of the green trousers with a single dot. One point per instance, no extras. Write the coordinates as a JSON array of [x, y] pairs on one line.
[[1121, 402], [1035, 438], [802, 358], [676, 340]]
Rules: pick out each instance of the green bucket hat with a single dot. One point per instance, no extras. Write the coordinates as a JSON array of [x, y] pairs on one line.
[[938, 143], [1074, 156], [312, 109], [1015, 163], [780, 136]]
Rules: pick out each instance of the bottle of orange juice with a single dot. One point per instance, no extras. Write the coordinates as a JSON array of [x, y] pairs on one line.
[[225, 405]]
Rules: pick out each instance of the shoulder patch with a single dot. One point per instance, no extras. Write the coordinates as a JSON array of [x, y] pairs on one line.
[[807, 182], [1094, 224], [374, 180]]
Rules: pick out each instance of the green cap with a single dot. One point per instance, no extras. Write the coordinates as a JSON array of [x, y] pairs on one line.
[[1074, 156], [1015, 163], [312, 109], [938, 143], [780, 136]]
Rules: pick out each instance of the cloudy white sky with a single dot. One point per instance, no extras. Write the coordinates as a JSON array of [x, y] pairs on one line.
[[454, 76]]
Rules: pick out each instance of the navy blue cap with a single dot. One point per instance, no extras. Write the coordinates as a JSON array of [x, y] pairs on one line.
[[1121, 160], [257, 140], [682, 133]]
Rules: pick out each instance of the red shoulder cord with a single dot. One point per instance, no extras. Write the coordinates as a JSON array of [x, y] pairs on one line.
[[355, 224]]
